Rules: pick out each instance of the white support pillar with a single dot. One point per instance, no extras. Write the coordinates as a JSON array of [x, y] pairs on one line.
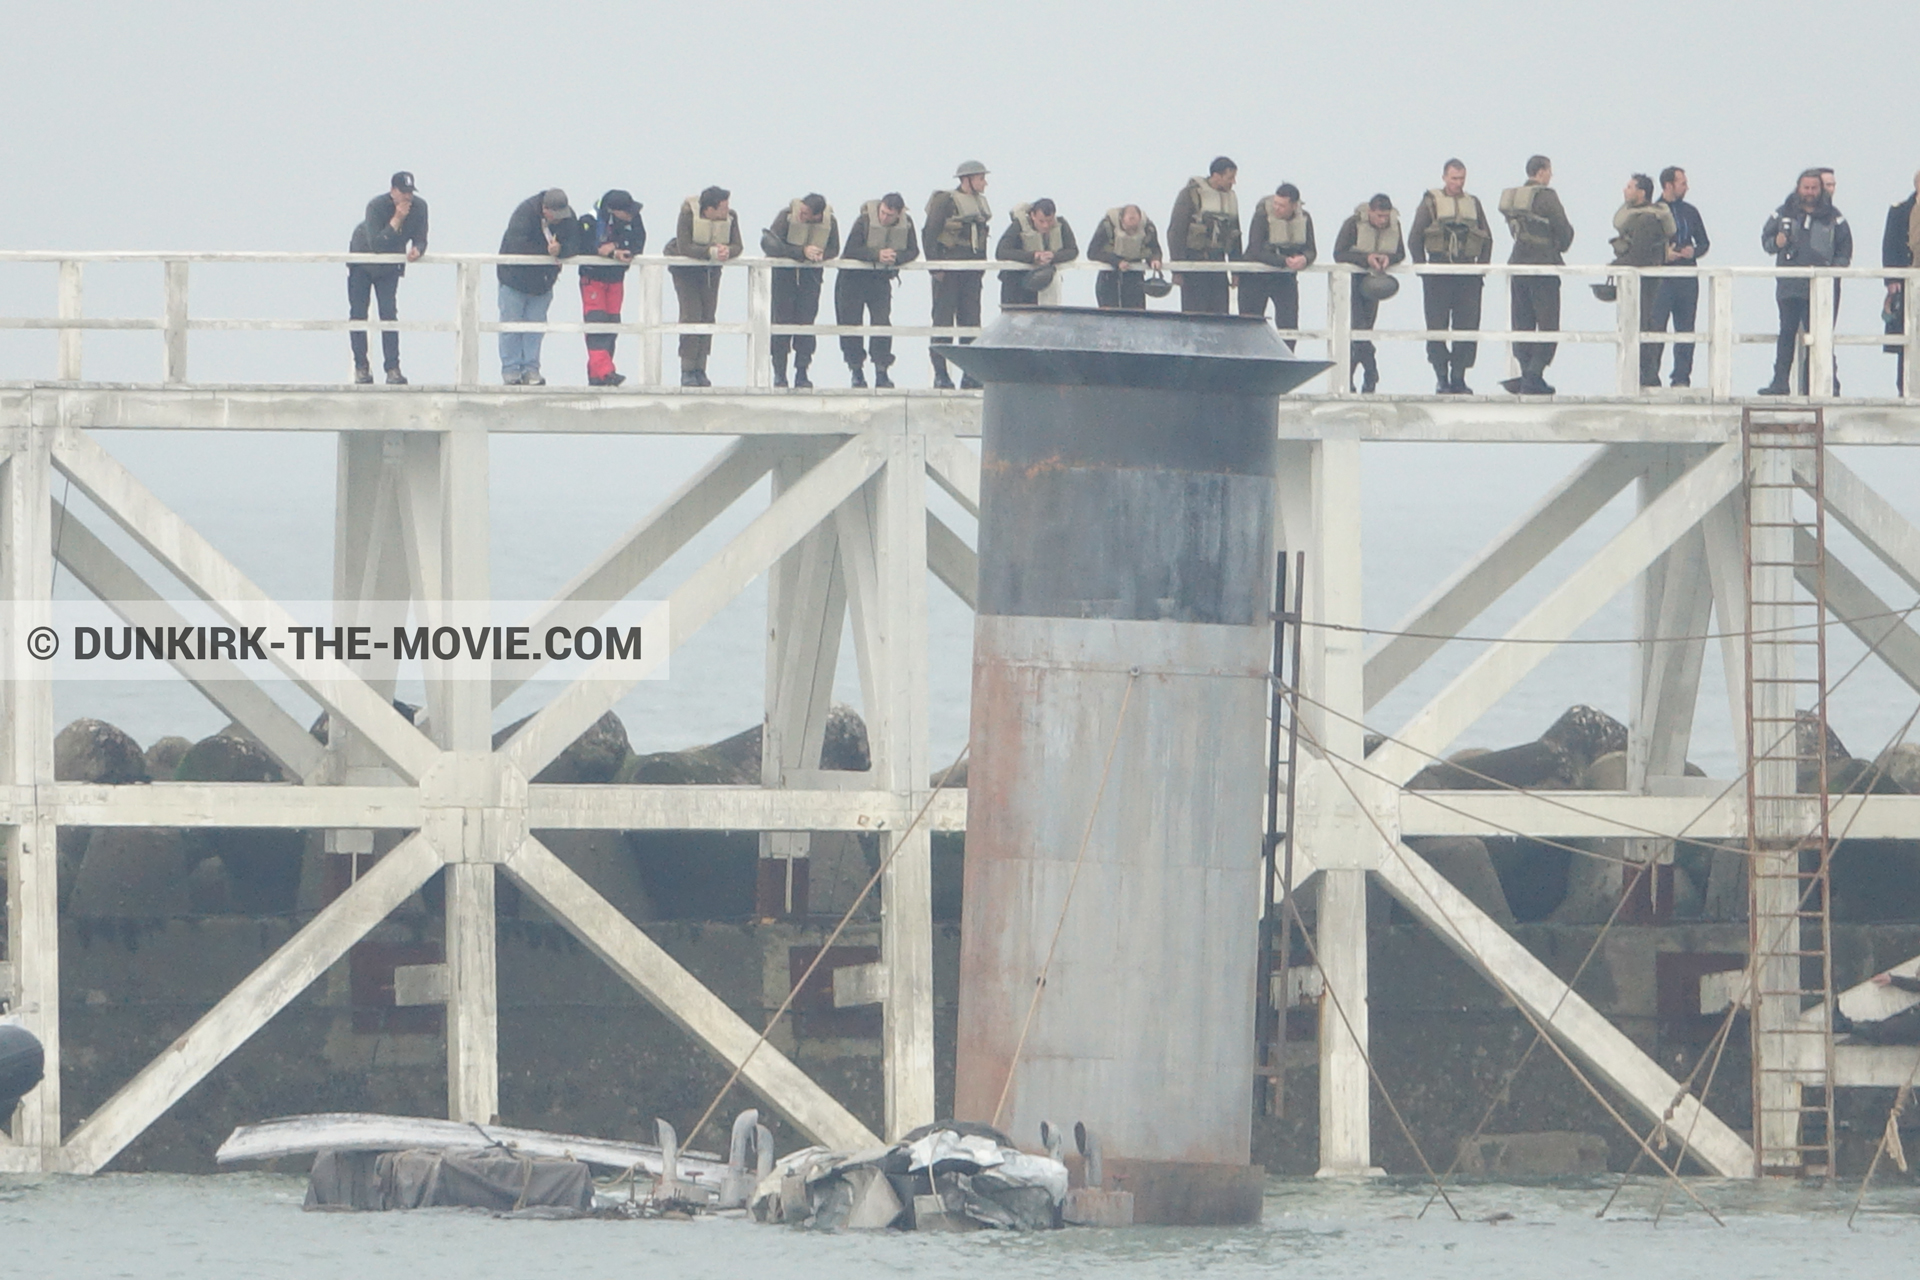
[[652, 274], [1340, 287], [174, 361], [883, 537], [467, 357], [1334, 674], [806, 610], [26, 741], [473, 1077], [759, 325], [1720, 339]]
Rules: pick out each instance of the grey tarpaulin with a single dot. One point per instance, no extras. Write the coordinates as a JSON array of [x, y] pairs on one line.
[[489, 1178]]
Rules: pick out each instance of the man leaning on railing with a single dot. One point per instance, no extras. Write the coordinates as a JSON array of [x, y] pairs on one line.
[[542, 224], [396, 223]]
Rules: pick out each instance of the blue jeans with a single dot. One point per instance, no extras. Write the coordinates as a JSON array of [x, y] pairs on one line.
[[520, 352]]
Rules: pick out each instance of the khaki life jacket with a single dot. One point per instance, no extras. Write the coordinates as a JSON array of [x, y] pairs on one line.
[[1623, 221], [1368, 238], [800, 234], [1285, 233], [1216, 218], [1033, 241], [1128, 246], [967, 228], [709, 231], [879, 235], [1528, 228], [1454, 234]]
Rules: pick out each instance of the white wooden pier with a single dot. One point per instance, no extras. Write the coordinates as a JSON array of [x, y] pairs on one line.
[[847, 532]]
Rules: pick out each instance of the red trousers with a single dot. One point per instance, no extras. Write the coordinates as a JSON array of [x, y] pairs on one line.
[[600, 302]]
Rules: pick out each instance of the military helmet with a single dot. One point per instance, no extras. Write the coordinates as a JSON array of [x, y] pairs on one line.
[[1378, 286], [968, 168], [1608, 292], [1040, 277], [1157, 285]]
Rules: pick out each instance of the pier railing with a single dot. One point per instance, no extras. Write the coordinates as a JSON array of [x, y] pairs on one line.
[[1714, 331]]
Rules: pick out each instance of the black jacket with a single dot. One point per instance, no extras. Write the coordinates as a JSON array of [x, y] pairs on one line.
[[1894, 249], [603, 228], [375, 234], [525, 234], [1817, 238], [1688, 229]]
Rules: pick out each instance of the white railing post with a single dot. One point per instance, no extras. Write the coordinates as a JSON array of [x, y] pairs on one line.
[[1820, 338], [759, 325], [1719, 335], [652, 275], [70, 297], [1626, 302], [174, 368], [1340, 284], [467, 357], [1911, 336]]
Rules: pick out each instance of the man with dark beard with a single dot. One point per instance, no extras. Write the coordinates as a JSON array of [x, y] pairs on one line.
[[1806, 231]]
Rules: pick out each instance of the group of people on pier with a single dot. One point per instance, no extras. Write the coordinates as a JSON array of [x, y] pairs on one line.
[[1655, 226]]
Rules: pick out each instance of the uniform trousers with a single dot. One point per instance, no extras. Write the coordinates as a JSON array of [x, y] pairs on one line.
[[698, 290], [796, 300], [956, 301], [1282, 290], [1452, 302], [871, 293], [1536, 305]]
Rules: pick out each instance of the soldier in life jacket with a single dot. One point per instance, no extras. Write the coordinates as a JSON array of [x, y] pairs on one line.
[[1205, 227], [1371, 241], [708, 231], [1126, 240], [1642, 232], [1541, 235], [959, 223], [1280, 235], [807, 232], [883, 236], [1451, 227], [1038, 236], [615, 233]]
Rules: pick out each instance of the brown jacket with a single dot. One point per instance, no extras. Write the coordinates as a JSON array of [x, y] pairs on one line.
[[1260, 249], [773, 241], [941, 210], [1185, 208], [1547, 205], [682, 245], [1100, 248], [1344, 250], [1423, 219]]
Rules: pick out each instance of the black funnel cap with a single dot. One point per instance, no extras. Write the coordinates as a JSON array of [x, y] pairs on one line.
[[1158, 350]]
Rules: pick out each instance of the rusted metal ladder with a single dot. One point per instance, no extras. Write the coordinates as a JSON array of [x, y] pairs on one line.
[[1276, 918], [1789, 839]]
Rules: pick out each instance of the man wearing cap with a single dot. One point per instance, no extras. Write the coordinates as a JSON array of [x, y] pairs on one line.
[[396, 223], [708, 231], [542, 225], [1127, 241], [1280, 235], [1371, 241], [807, 232], [1205, 227], [958, 224], [1038, 236], [883, 236], [616, 234]]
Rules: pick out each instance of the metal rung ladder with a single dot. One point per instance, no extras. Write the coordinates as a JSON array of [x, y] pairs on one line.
[[1790, 846]]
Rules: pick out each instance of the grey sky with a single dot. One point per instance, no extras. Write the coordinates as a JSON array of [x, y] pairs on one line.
[[201, 125]]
